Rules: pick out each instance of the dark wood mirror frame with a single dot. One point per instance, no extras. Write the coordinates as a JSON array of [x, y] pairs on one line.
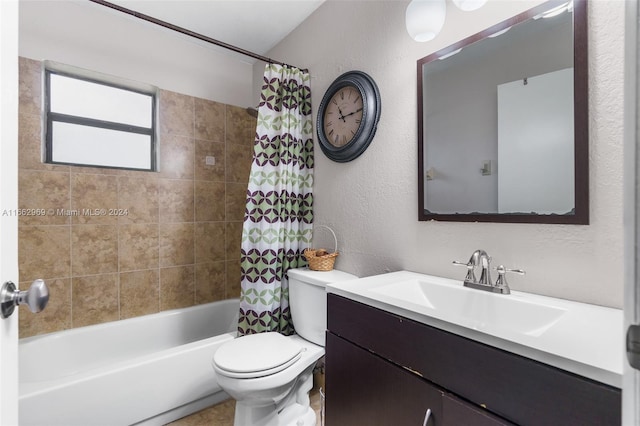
[[581, 124]]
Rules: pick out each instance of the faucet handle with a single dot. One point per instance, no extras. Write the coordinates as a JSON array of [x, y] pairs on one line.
[[471, 277], [502, 279]]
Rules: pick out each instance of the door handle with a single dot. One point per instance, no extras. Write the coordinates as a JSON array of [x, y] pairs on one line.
[[35, 298]]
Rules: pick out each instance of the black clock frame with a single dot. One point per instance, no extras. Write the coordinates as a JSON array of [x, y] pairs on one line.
[[371, 107]]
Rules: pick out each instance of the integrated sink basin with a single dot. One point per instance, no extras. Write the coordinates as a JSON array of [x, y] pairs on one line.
[[475, 309], [581, 338]]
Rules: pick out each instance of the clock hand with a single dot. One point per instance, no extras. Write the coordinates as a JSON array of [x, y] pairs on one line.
[[351, 113], [342, 116]]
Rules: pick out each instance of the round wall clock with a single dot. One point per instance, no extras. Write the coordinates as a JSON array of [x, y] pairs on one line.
[[348, 116]]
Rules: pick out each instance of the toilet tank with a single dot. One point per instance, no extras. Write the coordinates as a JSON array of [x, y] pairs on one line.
[[308, 301]]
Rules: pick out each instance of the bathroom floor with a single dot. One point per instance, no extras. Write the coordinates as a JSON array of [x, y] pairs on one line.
[[222, 414]]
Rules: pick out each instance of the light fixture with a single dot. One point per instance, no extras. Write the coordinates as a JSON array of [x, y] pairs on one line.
[[425, 18], [469, 5]]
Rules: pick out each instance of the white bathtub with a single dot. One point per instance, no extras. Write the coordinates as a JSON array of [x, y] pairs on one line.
[[150, 370]]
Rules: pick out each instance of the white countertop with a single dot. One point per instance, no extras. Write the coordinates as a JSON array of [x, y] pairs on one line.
[[584, 339]]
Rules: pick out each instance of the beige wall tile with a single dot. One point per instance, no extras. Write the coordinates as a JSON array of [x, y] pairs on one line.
[[44, 251], [177, 154], [29, 142], [238, 163], [139, 196], [95, 299], [96, 170], [30, 91], [56, 316], [204, 171], [177, 287], [210, 281], [176, 244], [94, 249], [43, 191], [144, 260], [176, 113], [234, 274], [235, 200], [210, 241], [241, 127], [209, 201], [209, 120], [138, 246], [233, 240], [139, 293], [176, 200], [93, 196]]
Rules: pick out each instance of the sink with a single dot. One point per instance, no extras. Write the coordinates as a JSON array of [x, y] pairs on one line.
[[476, 309], [582, 338]]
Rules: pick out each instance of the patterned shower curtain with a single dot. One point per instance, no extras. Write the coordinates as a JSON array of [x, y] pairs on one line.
[[279, 213]]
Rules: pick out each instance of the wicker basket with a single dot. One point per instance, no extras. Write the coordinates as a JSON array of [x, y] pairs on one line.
[[320, 259]]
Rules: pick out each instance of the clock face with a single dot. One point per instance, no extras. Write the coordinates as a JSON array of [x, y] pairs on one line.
[[348, 116], [342, 116]]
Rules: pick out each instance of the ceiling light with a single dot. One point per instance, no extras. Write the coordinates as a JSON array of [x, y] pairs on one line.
[[468, 5], [425, 18]]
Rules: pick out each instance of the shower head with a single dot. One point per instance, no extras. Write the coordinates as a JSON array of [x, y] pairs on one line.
[[252, 112]]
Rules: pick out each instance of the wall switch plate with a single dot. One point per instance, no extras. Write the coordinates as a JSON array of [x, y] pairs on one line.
[[486, 168], [430, 174], [210, 160]]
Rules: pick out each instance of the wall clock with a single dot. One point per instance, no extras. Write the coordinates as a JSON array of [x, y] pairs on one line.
[[348, 116]]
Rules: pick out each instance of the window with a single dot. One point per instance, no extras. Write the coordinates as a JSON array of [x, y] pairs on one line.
[[99, 123]]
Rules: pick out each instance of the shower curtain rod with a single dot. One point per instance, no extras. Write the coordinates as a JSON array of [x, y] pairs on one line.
[[190, 33]]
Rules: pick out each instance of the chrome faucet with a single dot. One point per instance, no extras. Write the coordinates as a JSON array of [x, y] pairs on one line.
[[483, 260]]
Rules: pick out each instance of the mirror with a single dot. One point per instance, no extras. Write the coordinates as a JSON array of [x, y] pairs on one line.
[[503, 122]]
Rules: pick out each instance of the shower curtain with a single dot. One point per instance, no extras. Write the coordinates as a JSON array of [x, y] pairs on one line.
[[279, 211]]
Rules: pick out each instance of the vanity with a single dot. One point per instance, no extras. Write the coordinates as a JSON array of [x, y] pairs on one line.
[[408, 348]]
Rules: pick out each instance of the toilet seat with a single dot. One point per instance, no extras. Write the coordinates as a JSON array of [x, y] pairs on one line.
[[256, 355]]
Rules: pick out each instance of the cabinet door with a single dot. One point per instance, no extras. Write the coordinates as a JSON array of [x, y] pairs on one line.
[[364, 389], [456, 412]]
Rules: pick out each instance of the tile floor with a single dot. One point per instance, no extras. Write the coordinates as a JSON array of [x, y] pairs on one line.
[[222, 414]]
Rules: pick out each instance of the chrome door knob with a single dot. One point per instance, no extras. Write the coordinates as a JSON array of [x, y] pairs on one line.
[[35, 298]]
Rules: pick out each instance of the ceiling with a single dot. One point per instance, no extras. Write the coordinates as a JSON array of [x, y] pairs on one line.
[[254, 25]]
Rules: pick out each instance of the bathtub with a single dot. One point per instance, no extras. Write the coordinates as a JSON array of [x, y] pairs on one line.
[[147, 370]]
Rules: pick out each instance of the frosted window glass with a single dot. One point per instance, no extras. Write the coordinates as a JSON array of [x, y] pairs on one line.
[[96, 146], [91, 100]]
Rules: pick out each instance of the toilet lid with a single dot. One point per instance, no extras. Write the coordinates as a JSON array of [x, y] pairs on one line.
[[257, 355]]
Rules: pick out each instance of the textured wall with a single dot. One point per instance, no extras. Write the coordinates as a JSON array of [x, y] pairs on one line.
[[372, 202], [178, 243]]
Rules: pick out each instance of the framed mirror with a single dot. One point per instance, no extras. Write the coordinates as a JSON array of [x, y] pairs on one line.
[[503, 122]]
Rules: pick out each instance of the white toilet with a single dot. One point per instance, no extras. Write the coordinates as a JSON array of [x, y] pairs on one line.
[[270, 375]]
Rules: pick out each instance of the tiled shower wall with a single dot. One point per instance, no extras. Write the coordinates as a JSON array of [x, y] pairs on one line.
[[177, 245]]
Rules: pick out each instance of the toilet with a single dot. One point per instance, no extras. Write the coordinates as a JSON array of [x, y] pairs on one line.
[[270, 375]]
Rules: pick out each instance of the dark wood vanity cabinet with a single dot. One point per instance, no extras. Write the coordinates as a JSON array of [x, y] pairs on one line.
[[368, 390], [382, 369]]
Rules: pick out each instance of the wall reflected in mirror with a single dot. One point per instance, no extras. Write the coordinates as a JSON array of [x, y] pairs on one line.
[[502, 137]]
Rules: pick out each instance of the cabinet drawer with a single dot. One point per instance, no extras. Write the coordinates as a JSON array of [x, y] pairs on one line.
[[519, 389], [364, 389]]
